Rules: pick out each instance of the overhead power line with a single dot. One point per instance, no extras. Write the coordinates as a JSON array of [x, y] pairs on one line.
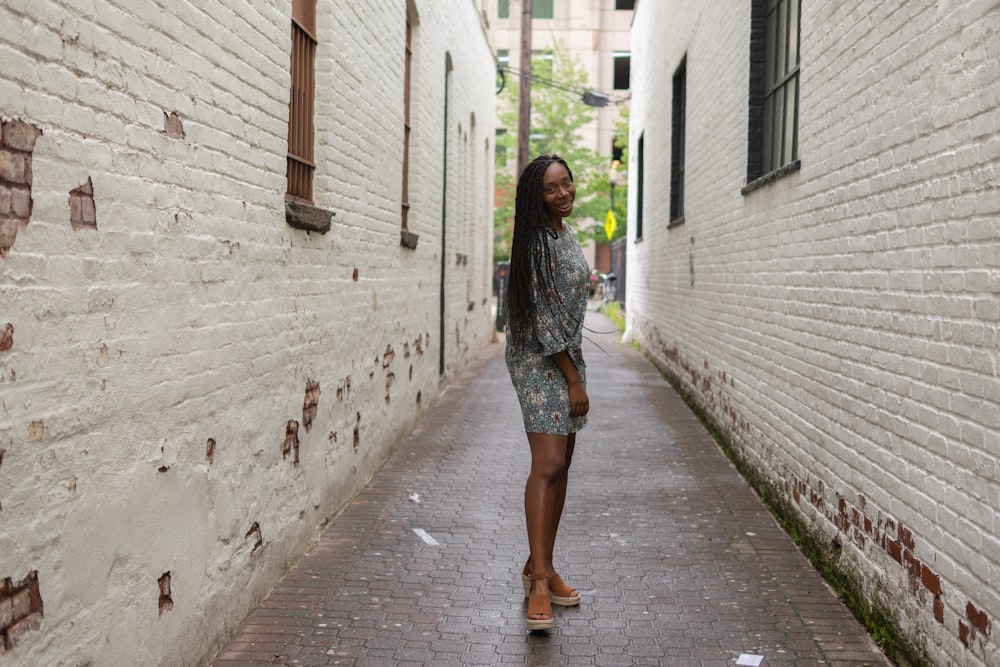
[[591, 98]]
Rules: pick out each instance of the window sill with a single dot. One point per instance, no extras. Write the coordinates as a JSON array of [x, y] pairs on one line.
[[676, 222], [770, 177], [638, 239], [309, 218]]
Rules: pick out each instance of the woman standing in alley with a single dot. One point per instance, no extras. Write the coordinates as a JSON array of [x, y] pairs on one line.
[[546, 301]]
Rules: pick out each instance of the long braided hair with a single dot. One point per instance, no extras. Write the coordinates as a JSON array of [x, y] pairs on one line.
[[531, 263]]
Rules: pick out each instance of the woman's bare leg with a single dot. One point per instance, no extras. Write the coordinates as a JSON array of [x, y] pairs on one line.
[[548, 469], [560, 499]]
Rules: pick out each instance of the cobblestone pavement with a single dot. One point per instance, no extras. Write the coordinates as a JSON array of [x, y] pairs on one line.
[[678, 562]]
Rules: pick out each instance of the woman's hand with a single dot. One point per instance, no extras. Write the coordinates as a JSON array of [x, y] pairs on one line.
[[579, 401]]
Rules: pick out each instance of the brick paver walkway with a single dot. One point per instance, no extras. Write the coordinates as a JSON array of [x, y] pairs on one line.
[[678, 561]]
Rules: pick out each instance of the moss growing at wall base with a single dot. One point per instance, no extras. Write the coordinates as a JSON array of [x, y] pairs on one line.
[[881, 623]]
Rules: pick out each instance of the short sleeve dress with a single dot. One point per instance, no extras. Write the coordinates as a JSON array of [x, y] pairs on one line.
[[541, 388]]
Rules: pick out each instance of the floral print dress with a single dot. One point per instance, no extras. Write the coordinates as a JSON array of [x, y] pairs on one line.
[[541, 388]]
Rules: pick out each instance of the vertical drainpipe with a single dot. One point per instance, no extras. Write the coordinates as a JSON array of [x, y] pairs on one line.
[[444, 216]]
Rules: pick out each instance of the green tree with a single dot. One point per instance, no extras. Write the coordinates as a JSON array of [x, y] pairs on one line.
[[557, 114]]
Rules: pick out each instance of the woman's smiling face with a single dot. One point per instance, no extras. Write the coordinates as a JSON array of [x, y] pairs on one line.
[[558, 193]]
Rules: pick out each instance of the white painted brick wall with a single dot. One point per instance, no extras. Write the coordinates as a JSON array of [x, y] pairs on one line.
[[843, 324], [195, 312]]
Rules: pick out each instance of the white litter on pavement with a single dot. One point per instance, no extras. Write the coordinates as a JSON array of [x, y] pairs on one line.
[[415, 497], [422, 534], [750, 660]]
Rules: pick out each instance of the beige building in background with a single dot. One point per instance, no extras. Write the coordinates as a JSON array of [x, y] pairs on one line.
[[595, 31]]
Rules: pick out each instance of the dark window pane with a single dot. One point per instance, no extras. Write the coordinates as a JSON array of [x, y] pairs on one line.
[[503, 9], [780, 67], [793, 34], [791, 114], [623, 68], [768, 140], [639, 158], [624, 4], [769, 50]]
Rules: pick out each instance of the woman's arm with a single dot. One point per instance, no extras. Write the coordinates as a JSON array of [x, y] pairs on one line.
[[579, 401]]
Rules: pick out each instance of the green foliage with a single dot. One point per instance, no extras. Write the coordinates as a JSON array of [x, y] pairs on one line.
[[557, 114], [614, 311]]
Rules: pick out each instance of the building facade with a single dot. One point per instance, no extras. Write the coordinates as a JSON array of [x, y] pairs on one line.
[[241, 251], [597, 32], [814, 258]]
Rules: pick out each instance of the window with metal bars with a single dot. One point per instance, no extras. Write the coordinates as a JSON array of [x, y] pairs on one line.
[[774, 88], [301, 104]]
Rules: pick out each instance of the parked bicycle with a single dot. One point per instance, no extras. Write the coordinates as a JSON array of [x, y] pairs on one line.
[[609, 287]]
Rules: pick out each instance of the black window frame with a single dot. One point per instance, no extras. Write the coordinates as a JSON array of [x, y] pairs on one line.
[[678, 140], [775, 66], [639, 178]]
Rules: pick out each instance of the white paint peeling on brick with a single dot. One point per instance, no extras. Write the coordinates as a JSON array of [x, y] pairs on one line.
[[843, 322], [194, 311]]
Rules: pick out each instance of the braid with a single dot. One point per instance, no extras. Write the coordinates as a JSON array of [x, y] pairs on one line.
[[531, 261]]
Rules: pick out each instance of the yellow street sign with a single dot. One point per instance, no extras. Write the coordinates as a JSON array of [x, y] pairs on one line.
[[610, 224]]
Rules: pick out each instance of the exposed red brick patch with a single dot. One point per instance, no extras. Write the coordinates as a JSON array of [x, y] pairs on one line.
[[166, 602], [938, 610], [310, 404], [17, 141], [21, 610], [7, 337], [355, 276], [906, 537], [980, 621], [82, 210], [931, 581], [894, 549], [210, 450], [963, 633], [172, 124]]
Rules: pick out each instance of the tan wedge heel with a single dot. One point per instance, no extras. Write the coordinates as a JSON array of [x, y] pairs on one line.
[[539, 606], [560, 592]]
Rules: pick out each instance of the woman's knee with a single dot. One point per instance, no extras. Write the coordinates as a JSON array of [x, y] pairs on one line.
[[550, 468]]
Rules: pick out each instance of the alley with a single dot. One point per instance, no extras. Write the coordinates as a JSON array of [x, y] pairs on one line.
[[678, 561]]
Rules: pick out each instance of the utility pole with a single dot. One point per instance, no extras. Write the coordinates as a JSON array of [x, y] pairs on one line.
[[524, 90]]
